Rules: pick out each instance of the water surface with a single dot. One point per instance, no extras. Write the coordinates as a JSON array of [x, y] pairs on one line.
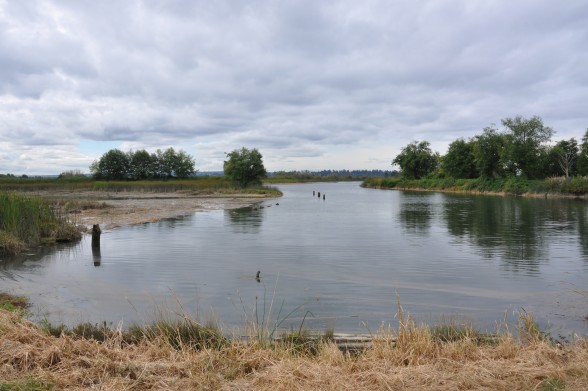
[[341, 262]]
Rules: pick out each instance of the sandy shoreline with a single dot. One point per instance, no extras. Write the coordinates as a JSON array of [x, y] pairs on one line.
[[127, 208]]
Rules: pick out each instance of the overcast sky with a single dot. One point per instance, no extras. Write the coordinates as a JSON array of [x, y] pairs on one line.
[[310, 84]]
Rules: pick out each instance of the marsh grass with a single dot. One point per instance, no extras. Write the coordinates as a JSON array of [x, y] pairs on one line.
[[409, 357], [29, 221], [198, 185], [179, 334], [13, 303]]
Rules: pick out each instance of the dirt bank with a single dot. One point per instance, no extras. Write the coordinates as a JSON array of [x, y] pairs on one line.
[[112, 210]]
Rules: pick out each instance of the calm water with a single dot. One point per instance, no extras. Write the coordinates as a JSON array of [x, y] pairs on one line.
[[342, 261]]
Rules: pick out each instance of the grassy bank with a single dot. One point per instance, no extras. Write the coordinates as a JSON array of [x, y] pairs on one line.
[[27, 221], [410, 358], [199, 185], [577, 187]]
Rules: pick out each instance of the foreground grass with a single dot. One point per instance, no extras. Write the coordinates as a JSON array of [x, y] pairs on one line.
[[410, 358], [29, 221], [515, 186]]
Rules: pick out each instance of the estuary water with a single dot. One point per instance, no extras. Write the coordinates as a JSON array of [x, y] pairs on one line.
[[340, 263]]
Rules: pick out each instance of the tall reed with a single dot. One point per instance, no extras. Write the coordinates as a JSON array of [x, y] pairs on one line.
[[28, 221]]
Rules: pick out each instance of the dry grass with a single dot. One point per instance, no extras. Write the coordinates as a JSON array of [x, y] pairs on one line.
[[32, 360]]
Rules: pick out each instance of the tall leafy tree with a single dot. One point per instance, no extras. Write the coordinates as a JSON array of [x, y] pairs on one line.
[[244, 167], [113, 165], [562, 158], [416, 160], [582, 164], [141, 165], [524, 148], [487, 150], [183, 164], [459, 161]]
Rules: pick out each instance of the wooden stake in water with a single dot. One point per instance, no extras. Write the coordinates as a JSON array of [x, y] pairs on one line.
[[96, 254]]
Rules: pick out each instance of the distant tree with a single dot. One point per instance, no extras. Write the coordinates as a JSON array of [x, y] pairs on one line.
[[141, 165], [524, 148], [416, 160], [487, 150], [117, 165], [170, 163], [183, 165], [113, 165], [244, 167], [582, 163], [459, 161], [71, 174]]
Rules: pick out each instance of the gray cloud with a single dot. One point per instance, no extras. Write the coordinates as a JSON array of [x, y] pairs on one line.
[[296, 79]]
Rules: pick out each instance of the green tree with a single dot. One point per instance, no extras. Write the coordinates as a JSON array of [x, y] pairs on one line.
[[487, 150], [183, 165], [562, 158], [524, 149], [416, 160], [141, 165], [582, 164], [170, 163], [244, 167], [459, 161], [113, 165]]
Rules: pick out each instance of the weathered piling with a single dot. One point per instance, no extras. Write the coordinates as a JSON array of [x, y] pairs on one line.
[[96, 253]]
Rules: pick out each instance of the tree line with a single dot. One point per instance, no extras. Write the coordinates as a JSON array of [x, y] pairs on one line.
[[522, 149], [243, 167], [137, 165]]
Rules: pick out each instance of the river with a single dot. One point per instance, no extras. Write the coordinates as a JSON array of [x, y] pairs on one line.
[[339, 263]]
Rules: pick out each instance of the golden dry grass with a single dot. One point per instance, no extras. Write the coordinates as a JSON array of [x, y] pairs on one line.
[[416, 361]]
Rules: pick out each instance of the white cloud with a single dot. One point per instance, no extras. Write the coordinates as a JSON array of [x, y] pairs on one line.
[[310, 84]]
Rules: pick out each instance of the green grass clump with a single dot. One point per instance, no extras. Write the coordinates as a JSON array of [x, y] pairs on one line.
[[27, 385], [304, 343], [179, 334], [13, 303], [29, 221]]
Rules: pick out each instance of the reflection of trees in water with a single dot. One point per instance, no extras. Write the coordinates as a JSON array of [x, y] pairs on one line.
[[416, 212], [513, 229], [583, 231], [245, 220]]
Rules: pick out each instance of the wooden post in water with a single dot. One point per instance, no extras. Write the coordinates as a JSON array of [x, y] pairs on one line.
[[313, 193], [323, 197], [96, 254], [319, 194]]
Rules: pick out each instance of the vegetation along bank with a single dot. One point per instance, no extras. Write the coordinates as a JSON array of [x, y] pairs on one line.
[[519, 160]]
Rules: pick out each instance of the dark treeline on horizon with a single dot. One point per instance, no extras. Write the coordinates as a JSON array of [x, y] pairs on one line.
[[334, 174]]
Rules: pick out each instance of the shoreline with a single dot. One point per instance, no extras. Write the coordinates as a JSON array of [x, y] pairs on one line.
[[116, 209], [583, 197]]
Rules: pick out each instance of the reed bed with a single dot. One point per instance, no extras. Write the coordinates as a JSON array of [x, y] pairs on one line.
[[199, 185], [28, 221], [410, 358]]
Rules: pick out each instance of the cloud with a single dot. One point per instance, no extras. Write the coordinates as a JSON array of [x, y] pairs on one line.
[[299, 80]]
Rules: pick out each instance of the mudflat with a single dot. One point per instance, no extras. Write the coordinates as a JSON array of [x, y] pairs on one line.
[[115, 209]]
